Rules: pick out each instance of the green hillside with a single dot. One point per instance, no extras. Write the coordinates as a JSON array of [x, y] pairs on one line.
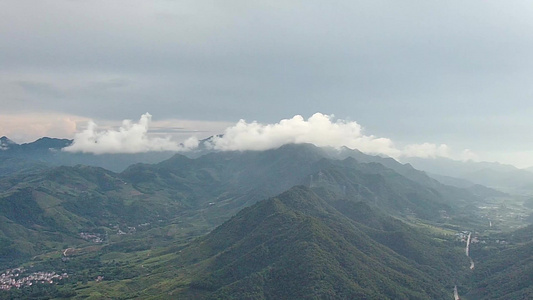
[[48, 209], [505, 270], [341, 226], [297, 245]]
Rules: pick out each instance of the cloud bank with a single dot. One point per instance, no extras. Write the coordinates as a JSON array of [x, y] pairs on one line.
[[23, 128], [322, 130], [319, 129], [129, 138]]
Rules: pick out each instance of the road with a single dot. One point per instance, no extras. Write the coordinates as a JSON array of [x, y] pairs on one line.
[[65, 253], [468, 251]]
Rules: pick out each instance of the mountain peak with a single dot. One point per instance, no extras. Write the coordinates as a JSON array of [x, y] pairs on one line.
[[5, 142], [5, 139], [47, 143], [297, 245]]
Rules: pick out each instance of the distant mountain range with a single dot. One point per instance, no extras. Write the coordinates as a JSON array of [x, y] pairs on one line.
[[48, 152], [208, 190], [503, 177], [294, 222]]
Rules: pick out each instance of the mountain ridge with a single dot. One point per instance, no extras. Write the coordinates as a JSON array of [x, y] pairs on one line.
[[243, 257], [204, 192]]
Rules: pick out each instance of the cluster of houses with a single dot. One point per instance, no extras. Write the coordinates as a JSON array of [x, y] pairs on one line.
[[95, 238], [463, 236], [13, 278]]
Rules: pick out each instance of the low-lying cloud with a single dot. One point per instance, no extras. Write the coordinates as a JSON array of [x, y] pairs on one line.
[[129, 138], [426, 150], [322, 130], [319, 129], [27, 127]]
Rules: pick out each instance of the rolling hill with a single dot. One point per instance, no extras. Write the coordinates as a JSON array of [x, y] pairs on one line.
[[203, 192], [331, 220], [299, 246]]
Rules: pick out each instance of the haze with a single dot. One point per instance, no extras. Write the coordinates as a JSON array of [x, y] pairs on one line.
[[448, 78]]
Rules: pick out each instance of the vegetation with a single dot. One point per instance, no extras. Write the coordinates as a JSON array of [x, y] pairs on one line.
[[297, 245], [334, 225]]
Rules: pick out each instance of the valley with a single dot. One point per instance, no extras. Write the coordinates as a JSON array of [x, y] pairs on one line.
[[256, 225], [265, 150]]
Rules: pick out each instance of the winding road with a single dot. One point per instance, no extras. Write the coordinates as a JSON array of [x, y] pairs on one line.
[[468, 251], [65, 253]]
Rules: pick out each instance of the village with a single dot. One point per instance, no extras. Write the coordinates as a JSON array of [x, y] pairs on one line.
[[12, 278], [95, 238]]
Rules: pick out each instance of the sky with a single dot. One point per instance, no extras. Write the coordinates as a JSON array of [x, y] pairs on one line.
[[423, 78]]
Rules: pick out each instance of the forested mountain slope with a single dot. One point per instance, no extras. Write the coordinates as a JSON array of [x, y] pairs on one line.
[[56, 204], [298, 245]]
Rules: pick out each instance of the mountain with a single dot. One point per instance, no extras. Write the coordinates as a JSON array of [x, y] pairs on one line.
[[13, 165], [332, 225], [232, 180], [48, 151], [445, 185], [199, 194], [404, 169], [292, 246], [506, 271], [45, 210], [502, 177], [39, 146], [5, 143], [299, 246]]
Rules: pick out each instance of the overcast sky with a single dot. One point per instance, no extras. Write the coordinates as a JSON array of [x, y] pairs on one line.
[[458, 73]]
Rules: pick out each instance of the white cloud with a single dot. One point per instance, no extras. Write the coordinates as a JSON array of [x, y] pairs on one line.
[[426, 150], [319, 130], [520, 159], [129, 138], [467, 155], [28, 127], [322, 130]]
